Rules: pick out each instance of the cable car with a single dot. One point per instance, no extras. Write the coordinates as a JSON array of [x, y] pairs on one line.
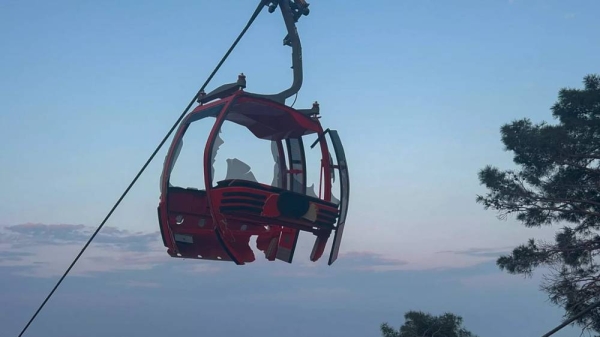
[[217, 222]]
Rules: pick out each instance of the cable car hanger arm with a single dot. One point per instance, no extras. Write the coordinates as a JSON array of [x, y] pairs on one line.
[[291, 11]]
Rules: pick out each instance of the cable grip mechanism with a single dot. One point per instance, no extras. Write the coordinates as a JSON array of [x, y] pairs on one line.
[[298, 7]]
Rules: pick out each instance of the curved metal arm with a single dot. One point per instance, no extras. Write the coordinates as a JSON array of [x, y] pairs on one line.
[[291, 10], [292, 39]]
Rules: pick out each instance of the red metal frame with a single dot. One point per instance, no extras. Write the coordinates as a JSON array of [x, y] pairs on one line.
[[216, 224]]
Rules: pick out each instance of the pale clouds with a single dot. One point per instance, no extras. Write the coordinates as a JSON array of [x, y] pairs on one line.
[[478, 255], [378, 262], [40, 250], [370, 261]]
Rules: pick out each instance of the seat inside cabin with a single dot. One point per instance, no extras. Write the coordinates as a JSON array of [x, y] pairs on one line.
[[239, 174]]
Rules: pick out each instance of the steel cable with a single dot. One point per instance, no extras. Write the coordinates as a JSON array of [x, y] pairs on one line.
[[250, 21]]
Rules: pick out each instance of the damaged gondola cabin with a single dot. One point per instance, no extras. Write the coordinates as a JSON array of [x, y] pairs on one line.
[[217, 222]]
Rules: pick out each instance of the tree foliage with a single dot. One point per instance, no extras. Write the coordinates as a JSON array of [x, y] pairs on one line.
[[420, 324], [558, 183]]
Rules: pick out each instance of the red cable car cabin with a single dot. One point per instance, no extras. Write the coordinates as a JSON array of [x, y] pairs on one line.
[[216, 223]]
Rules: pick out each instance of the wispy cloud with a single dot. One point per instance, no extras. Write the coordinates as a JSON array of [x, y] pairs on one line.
[[442, 260], [491, 252], [41, 250], [370, 261]]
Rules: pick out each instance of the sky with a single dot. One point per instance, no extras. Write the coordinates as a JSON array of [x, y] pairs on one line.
[[417, 90]]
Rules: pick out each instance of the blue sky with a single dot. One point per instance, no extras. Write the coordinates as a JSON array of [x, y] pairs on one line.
[[417, 90]]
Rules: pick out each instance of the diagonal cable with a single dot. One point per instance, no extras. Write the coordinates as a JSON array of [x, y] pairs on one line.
[[252, 18]]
